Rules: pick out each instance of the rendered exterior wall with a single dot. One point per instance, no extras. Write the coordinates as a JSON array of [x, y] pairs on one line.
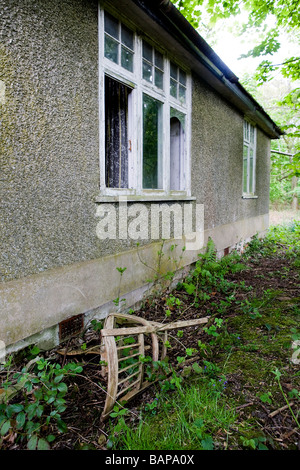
[[49, 134], [52, 264], [217, 149]]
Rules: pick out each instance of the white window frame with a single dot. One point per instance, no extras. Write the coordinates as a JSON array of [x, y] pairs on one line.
[[135, 125], [250, 145]]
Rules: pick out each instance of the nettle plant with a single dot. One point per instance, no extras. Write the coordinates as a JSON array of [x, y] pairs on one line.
[[209, 275], [34, 402]]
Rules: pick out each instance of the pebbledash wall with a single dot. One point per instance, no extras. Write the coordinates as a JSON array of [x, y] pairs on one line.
[[52, 264]]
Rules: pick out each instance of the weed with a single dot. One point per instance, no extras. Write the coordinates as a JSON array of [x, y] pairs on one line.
[[40, 404], [277, 374]]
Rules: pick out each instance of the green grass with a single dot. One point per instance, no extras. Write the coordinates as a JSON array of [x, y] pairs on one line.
[[185, 420]]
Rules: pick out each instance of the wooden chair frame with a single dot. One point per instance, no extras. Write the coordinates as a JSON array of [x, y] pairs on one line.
[[111, 353]]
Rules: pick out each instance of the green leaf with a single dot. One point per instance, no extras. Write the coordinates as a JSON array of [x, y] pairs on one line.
[[190, 288], [199, 423], [62, 387], [180, 359], [16, 408], [207, 443], [20, 420], [5, 427], [197, 368], [43, 444], [31, 444], [62, 427], [11, 409], [58, 378]]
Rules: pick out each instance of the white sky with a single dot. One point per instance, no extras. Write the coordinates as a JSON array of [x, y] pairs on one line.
[[230, 47]]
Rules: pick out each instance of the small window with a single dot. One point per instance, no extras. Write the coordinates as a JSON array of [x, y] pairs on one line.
[[249, 157], [153, 66], [118, 44], [177, 83], [116, 133]]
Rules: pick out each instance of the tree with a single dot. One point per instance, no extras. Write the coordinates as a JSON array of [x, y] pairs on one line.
[[267, 20]]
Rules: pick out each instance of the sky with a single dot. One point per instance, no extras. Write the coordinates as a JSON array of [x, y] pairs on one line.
[[229, 47]]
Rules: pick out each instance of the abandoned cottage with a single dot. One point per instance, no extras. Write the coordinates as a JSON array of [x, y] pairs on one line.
[[119, 127]]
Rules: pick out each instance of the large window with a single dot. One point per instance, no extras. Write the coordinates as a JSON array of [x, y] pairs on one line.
[[249, 159], [144, 115]]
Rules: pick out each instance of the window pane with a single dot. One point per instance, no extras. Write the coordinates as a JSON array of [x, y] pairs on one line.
[[127, 59], [176, 153], [159, 60], [251, 189], [116, 138], [111, 26], [182, 77], [245, 169], [127, 37], [252, 134], [159, 78], [147, 52], [246, 131], [173, 88], [152, 143], [182, 91], [111, 49], [173, 71], [147, 71]]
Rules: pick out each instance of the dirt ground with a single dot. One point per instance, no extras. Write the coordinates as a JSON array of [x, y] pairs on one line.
[[282, 217]]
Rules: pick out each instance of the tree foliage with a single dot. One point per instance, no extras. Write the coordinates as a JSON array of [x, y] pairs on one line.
[[266, 20]]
